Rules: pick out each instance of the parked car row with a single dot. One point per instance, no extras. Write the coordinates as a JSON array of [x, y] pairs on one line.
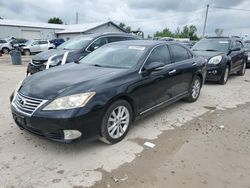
[[101, 89], [28, 47]]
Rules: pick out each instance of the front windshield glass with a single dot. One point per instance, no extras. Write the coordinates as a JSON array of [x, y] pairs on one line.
[[211, 45], [75, 43], [115, 56], [247, 46], [29, 42]]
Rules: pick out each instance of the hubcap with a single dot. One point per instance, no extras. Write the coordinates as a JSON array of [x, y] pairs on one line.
[[118, 122], [226, 74], [196, 89], [5, 51]]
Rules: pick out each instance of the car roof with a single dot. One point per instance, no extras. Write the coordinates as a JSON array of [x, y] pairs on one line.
[[221, 38], [108, 34], [147, 43]]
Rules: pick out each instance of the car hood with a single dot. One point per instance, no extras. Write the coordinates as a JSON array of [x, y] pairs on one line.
[[208, 54], [44, 56], [67, 79]]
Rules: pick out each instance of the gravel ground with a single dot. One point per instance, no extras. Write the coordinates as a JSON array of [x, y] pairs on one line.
[[183, 156]]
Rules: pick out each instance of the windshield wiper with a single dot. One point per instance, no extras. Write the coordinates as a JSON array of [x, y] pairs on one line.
[[97, 65], [211, 50]]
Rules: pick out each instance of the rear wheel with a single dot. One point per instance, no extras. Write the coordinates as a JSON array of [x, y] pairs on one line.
[[225, 75], [26, 52], [195, 89], [116, 122], [5, 50], [242, 71]]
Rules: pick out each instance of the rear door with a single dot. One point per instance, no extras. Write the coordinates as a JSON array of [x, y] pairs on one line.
[[183, 69], [44, 45]]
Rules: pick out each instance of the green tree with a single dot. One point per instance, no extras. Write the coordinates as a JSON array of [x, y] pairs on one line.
[[55, 20], [164, 33], [125, 27]]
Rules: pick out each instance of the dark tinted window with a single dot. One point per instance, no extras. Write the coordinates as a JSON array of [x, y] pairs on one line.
[[179, 53], [159, 54], [3, 41], [42, 42], [115, 39], [98, 43]]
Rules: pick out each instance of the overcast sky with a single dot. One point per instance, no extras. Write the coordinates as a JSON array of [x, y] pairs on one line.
[[148, 15]]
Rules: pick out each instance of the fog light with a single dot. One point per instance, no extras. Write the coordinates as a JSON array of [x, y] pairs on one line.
[[71, 134]]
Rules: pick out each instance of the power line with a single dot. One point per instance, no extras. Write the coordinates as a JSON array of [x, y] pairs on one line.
[[229, 8]]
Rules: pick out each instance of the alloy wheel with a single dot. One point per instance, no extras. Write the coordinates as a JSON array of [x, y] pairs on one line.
[[118, 122], [226, 75], [196, 88]]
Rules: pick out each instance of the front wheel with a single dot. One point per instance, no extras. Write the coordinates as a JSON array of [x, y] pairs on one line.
[[194, 91], [116, 122], [5, 50], [225, 76], [26, 52]]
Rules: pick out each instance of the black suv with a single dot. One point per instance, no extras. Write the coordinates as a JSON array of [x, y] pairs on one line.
[[77, 48], [225, 56]]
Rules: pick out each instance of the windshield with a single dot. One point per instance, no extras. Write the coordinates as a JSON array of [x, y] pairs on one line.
[[247, 46], [75, 43], [29, 42], [211, 45], [115, 56]]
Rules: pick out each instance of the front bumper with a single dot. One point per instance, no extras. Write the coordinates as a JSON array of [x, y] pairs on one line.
[[51, 124], [214, 72]]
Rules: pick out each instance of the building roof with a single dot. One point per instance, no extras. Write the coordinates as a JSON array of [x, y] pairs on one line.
[[31, 24], [75, 28], [81, 28]]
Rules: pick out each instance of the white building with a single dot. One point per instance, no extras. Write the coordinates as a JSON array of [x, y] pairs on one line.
[[36, 30]]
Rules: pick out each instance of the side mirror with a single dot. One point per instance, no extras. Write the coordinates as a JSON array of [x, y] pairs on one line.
[[154, 66], [96, 47]]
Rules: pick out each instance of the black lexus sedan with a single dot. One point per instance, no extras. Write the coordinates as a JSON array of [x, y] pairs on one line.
[[225, 55], [107, 90], [77, 48]]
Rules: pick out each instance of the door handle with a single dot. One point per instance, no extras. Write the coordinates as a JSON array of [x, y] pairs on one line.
[[194, 64], [172, 72]]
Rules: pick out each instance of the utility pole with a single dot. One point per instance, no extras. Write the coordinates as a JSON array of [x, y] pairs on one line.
[[205, 23], [76, 17]]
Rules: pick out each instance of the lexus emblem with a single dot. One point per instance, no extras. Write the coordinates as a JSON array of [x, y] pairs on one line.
[[22, 102]]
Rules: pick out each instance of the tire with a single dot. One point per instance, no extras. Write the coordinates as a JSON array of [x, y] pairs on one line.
[[242, 70], [26, 52], [5, 50], [116, 122], [225, 75], [195, 89]]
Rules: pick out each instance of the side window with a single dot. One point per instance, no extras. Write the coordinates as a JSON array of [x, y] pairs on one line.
[[35, 43], [233, 45], [98, 43], [179, 53], [159, 54], [42, 42], [115, 39]]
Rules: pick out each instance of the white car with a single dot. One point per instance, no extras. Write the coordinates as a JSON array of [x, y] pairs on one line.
[[5, 46], [36, 46]]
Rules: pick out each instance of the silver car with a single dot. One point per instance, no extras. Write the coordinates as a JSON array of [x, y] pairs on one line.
[[5, 46], [36, 46]]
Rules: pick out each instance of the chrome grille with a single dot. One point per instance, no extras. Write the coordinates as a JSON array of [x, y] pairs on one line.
[[26, 105], [37, 63]]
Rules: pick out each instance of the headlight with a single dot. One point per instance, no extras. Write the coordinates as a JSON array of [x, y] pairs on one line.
[[215, 60], [53, 62], [70, 102]]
